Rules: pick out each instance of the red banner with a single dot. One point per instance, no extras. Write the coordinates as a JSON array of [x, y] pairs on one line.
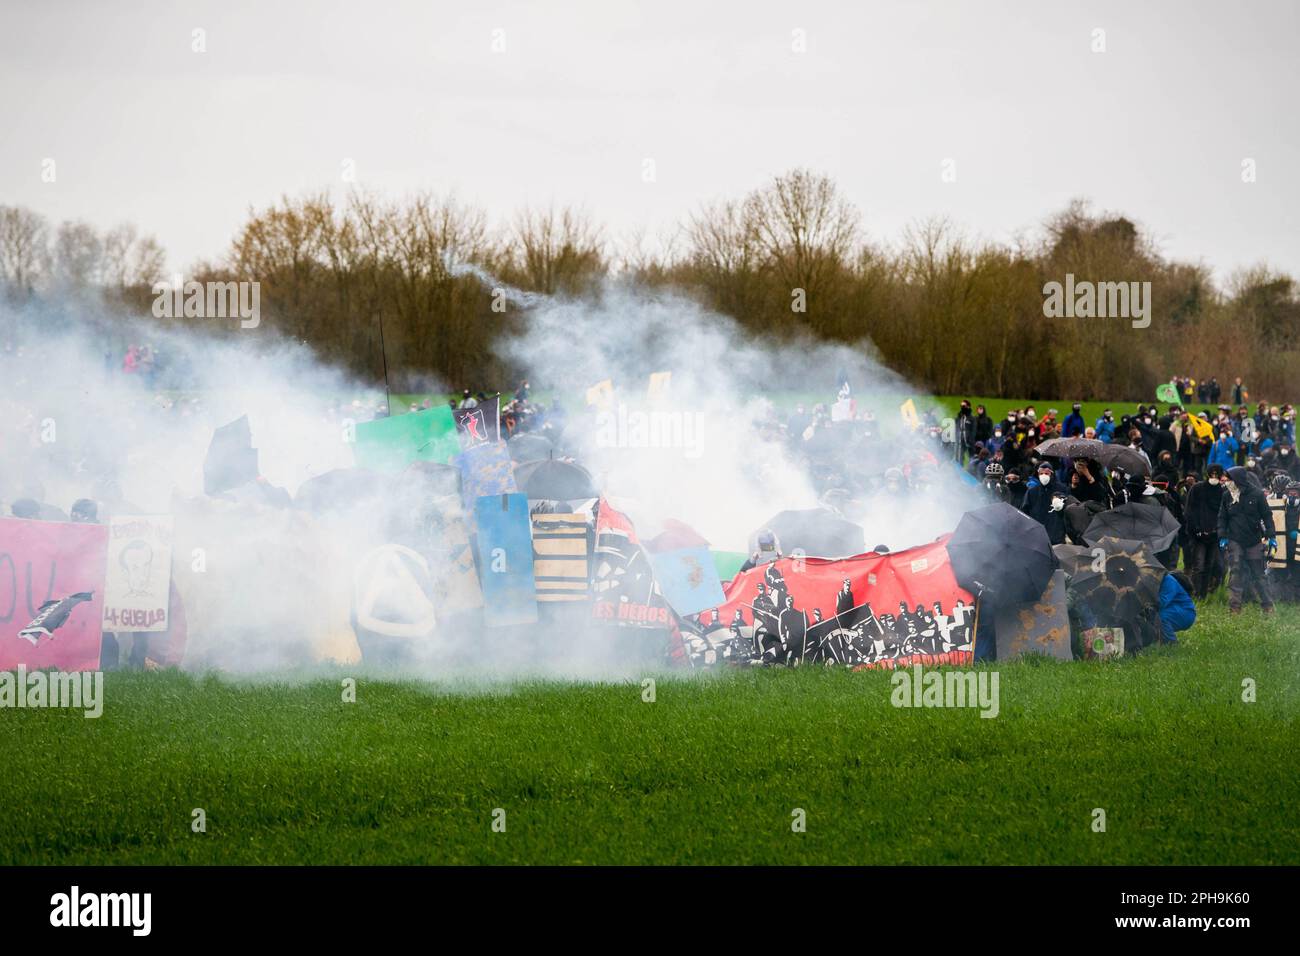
[[874, 610], [51, 594], [623, 585]]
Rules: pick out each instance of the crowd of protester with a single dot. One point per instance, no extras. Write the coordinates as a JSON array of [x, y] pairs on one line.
[[1222, 474]]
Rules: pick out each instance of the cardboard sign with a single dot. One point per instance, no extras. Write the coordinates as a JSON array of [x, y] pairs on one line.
[[561, 559], [455, 578], [51, 594], [1038, 627], [138, 573], [688, 579], [910, 418], [601, 394], [505, 560], [486, 470]]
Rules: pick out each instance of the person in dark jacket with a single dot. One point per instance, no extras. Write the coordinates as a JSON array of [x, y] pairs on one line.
[[1074, 425], [1245, 523], [983, 425], [1204, 559], [1045, 502]]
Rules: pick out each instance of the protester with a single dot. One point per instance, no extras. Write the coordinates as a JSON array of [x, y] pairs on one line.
[[1245, 526]]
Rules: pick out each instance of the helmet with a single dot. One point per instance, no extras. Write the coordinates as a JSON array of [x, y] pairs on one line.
[[994, 470]]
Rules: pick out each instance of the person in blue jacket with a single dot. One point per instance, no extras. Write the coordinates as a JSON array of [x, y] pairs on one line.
[[1106, 427], [1224, 451], [1177, 612], [1074, 425]]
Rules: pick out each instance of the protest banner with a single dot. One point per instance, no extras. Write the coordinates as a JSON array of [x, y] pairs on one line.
[[390, 444], [51, 594], [138, 573], [623, 583], [480, 425], [874, 610]]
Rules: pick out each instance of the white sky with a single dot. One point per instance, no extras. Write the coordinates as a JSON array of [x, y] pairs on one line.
[[181, 143]]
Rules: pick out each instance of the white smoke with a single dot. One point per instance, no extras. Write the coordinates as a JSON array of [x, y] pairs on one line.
[[278, 584]]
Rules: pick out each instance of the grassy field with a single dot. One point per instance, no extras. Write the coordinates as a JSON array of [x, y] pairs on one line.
[[710, 772]]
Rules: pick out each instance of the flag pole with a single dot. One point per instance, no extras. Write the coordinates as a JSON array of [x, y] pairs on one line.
[[383, 355]]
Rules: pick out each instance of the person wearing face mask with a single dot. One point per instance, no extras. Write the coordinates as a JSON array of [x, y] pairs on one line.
[[1245, 526], [1223, 452], [1045, 501], [1106, 427], [1074, 424], [1281, 458], [1204, 557], [1166, 472], [1013, 488]]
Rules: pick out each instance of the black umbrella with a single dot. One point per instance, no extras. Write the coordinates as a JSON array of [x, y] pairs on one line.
[[1117, 457], [1003, 552], [816, 532], [1150, 524], [551, 478], [1118, 579], [530, 447]]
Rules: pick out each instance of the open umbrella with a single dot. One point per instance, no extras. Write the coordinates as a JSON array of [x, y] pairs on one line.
[[560, 480], [1150, 524], [1118, 457], [1003, 552], [1118, 579], [816, 532], [530, 447]]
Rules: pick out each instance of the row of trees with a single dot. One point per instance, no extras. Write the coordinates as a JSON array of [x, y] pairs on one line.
[[952, 314]]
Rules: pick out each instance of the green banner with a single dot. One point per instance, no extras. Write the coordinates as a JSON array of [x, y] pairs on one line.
[[1167, 392], [728, 564], [390, 444]]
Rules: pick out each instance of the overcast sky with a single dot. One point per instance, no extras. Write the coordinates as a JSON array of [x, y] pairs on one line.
[[142, 128]]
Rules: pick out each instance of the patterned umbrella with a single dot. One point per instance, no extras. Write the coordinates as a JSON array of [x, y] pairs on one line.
[[1118, 579]]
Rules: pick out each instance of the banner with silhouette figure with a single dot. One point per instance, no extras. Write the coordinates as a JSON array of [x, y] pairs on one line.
[[51, 594], [874, 610]]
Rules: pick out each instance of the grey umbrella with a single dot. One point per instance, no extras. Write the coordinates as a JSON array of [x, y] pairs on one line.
[[1116, 457], [530, 447]]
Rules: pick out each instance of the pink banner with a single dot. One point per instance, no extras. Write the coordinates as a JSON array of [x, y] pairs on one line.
[[46, 569]]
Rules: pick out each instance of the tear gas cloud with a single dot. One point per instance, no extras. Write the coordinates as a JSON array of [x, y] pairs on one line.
[[276, 589]]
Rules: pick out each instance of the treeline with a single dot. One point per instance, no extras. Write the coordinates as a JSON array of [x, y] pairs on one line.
[[953, 314]]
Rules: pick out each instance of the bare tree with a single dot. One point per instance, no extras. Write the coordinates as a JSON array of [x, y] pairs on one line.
[[557, 252], [24, 248]]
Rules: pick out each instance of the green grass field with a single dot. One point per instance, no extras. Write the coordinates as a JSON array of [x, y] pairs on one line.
[[710, 772]]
